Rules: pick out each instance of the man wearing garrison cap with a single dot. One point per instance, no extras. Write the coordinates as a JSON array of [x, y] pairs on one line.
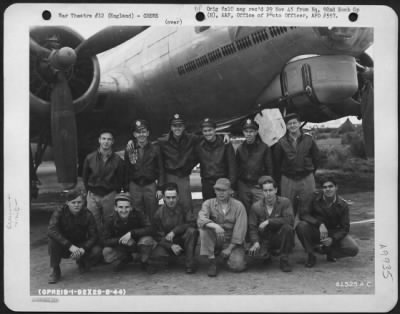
[[222, 224], [296, 157], [144, 169], [128, 231], [254, 159], [216, 158], [72, 234]]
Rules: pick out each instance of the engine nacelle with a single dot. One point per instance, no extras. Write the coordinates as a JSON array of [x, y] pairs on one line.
[[320, 79], [83, 77]]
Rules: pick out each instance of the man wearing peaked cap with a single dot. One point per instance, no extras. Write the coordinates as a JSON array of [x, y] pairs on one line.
[[250, 124], [176, 119], [216, 158], [222, 224], [291, 116], [144, 169], [296, 158], [103, 176], [208, 123], [254, 159], [126, 233], [177, 152]]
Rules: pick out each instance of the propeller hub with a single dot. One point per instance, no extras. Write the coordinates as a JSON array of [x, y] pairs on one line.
[[63, 58]]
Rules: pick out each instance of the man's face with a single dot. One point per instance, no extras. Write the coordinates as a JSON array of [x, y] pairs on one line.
[[177, 129], [293, 125], [75, 205], [123, 208], [106, 141], [142, 135], [269, 192], [329, 189], [222, 194], [250, 135], [170, 198], [209, 133]]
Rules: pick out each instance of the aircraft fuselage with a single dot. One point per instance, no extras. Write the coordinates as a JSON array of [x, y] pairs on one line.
[[213, 72]]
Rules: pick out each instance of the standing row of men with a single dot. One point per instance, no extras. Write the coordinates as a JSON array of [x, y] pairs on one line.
[[148, 167]]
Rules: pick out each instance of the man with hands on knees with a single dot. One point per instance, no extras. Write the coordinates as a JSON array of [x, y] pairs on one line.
[[127, 233], [72, 234], [271, 224], [325, 225], [222, 224], [175, 229]]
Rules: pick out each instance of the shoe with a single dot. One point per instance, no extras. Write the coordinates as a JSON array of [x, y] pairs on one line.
[[120, 264], [212, 268], [83, 266], [284, 265], [55, 275], [149, 268], [190, 270], [311, 261], [267, 260], [330, 258]]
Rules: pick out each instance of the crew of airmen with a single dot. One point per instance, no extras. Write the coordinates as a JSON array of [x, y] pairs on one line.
[[242, 216]]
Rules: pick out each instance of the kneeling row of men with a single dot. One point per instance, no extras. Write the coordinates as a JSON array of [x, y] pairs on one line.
[[222, 226]]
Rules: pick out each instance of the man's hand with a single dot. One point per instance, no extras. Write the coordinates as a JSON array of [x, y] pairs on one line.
[[262, 225], [125, 238], [220, 232], [130, 146], [254, 249], [159, 195], [323, 232], [227, 252], [327, 241], [226, 139], [177, 249], [75, 252], [170, 236]]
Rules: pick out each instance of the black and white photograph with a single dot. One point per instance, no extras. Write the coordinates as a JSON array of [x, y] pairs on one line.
[[202, 164]]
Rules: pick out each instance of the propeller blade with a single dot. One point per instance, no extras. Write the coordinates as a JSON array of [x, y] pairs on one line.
[[106, 39], [37, 49], [64, 132], [367, 113]]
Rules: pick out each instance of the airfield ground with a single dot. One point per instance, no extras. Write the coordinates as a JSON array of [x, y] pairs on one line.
[[324, 278]]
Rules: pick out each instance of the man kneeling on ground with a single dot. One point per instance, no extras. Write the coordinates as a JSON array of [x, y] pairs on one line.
[[72, 234], [127, 232], [271, 224], [175, 229], [326, 224], [223, 225]]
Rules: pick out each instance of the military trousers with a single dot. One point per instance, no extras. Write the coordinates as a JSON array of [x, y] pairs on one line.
[[209, 246], [309, 237], [187, 241], [57, 251]]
